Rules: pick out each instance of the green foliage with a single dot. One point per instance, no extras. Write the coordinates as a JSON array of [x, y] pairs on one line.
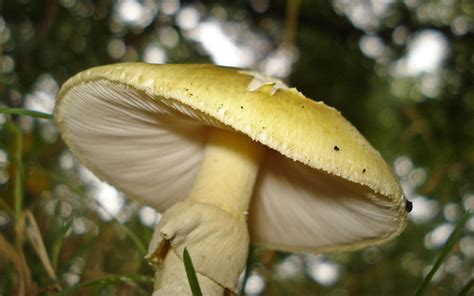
[[452, 240], [14, 134], [468, 287], [191, 274], [101, 284], [21, 111]]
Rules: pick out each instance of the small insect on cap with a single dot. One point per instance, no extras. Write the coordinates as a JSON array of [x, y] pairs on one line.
[[142, 128]]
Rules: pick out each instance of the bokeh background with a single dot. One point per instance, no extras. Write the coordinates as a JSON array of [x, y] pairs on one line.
[[401, 71]]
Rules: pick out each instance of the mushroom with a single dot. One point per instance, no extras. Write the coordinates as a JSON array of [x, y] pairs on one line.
[[229, 156]]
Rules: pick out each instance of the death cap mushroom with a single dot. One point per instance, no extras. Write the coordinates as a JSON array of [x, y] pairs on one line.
[[143, 128]]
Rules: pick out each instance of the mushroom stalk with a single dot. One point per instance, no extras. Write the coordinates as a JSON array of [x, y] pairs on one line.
[[211, 223], [228, 172]]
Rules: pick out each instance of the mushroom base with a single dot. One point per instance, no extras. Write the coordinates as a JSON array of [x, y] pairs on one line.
[[212, 222], [216, 241]]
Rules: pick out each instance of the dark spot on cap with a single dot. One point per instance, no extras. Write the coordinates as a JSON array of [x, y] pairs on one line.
[[302, 106], [241, 107], [336, 148], [364, 170], [408, 206]]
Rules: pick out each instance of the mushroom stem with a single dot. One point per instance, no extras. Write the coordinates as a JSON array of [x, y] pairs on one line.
[[228, 172], [211, 223]]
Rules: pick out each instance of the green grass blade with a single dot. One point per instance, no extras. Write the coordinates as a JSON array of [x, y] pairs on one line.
[[15, 149], [130, 234], [21, 111], [18, 186], [58, 242], [134, 238], [466, 288], [137, 242], [191, 273], [453, 238], [107, 281]]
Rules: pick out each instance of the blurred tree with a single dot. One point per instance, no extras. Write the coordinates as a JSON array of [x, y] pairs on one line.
[[401, 71]]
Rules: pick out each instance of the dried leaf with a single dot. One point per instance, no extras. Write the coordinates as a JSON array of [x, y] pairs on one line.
[[34, 235], [9, 252]]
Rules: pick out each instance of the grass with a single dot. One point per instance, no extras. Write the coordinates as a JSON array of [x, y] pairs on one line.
[[21, 111], [15, 136], [468, 287], [452, 240], [191, 274], [111, 280], [26, 224]]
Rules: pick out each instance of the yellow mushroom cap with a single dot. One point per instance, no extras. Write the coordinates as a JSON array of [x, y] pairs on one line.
[[142, 128]]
